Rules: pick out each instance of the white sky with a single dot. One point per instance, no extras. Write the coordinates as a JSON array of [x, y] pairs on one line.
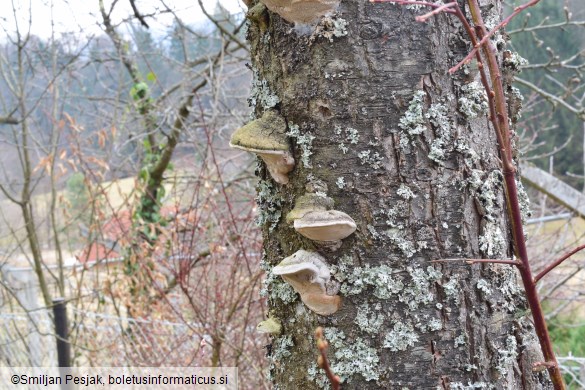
[[82, 16]]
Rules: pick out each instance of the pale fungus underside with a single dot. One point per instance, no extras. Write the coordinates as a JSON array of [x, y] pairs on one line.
[[332, 225], [308, 274]]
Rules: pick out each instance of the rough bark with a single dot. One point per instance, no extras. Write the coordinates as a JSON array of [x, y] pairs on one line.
[[421, 186]]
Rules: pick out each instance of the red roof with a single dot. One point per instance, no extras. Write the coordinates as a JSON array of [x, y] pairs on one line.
[[96, 252]]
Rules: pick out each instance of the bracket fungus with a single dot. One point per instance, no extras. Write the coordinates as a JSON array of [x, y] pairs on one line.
[[308, 203], [313, 218], [301, 11], [267, 138], [308, 274], [271, 326], [330, 225]]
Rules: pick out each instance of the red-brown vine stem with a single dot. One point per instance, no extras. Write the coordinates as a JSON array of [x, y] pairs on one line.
[[487, 36], [499, 119], [514, 212]]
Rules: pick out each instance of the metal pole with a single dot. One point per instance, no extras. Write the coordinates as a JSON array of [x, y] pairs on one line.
[[63, 346], [62, 336]]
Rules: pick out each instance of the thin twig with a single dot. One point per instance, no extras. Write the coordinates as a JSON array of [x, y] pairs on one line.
[[444, 8], [473, 261], [322, 361], [483, 40], [557, 262]]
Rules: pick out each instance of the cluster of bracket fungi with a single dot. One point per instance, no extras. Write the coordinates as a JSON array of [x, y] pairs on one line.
[[313, 217]]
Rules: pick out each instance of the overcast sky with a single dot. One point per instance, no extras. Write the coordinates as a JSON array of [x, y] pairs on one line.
[[83, 15]]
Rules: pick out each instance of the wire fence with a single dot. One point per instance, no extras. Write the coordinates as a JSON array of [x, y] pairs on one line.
[[100, 340], [111, 341], [573, 371], [27, 341]]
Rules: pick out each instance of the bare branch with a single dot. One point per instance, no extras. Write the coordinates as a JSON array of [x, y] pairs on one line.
[[138, 15], [557, 262]]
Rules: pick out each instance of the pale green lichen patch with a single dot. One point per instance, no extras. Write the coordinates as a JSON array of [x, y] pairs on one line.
[[304, 141], [413, 121], [331, 27], [392, 213], [507, 356], [459, 340], [492, 242], [471, 386], [373, 232], [483, 286], [473, 102], [397, 238], [334, 336], [281, 348], [524, 201], [434, 325], [471, 158], [514, 61], [451, 289], [318, 376], [340, 182], [405, 192], [373, 159], [261, 93], [420, 290], [348, 359], [356, 358], [511, 295], [369, 319], [425, 323], [269, 204], [486, 190], [401, 337], [343, 268], [349, 135], [274, 288], [439, 117], [382, 279]]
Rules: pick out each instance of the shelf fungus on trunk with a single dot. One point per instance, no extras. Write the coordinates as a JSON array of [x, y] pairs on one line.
[[271, 326], [313, 218], [308, 274], [267, 138], [309, 203], [301, 11]]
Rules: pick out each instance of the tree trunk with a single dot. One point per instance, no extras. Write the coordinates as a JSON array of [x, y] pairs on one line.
[[405, 150]]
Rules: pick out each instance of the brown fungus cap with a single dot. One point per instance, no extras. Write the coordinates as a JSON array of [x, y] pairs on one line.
[[301, 11], [329, 225], [267, 138], [267, 133], [309, 203]]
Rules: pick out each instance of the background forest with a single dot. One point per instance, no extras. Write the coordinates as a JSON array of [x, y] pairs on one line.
[[119, 191]]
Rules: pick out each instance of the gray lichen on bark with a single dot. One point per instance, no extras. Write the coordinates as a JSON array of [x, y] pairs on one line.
[[413, 202]]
